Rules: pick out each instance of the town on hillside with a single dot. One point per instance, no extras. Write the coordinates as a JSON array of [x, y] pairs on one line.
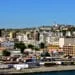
[[42, 46]]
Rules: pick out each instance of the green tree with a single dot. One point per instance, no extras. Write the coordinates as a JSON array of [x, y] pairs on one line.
[[64, 32], [42, 45], [45, 54], [37, 49], [21, 46], [31, 46], [6, 53]]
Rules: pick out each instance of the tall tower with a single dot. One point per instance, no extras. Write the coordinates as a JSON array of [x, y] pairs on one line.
[[36, 34]]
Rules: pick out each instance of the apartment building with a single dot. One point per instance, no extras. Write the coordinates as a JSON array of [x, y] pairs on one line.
[[54, 48], [69, 50], [66, 42]]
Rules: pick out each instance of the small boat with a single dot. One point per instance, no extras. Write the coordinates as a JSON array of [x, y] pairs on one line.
[[20, 66]]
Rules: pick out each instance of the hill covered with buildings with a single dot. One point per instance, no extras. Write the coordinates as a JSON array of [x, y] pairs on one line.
[[57, 37]]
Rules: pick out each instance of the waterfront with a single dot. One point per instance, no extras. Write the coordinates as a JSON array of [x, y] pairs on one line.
[[57, 70], [70, 72]]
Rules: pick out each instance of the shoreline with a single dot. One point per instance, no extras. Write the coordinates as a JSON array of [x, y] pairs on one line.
[[37, 70]]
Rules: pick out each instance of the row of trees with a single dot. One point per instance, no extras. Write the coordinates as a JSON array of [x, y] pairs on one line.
[[6, 53], [22, 46]]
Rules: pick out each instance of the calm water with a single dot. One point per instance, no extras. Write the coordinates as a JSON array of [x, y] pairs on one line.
[[54, 73]]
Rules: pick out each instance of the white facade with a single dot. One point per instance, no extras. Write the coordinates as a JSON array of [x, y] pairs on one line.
[[49, 38], [66, 41], [19, 37], [15, 52], [61, 42], [54, 40], [2, 39], [41, 37], [22, 37], [68, 33]]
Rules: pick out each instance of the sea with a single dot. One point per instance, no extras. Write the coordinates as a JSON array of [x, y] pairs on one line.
[[72, 72]]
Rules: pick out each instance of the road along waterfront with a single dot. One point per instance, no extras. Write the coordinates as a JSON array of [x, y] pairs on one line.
[[37, 70]]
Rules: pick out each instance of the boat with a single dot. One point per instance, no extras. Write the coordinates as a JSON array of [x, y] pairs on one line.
[[20, 66]]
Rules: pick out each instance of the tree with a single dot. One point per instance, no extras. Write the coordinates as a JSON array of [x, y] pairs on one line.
[[20, 45], [42, 45], [31, 46], [37, 49], [6, 53], [45, 54], [64, 32]]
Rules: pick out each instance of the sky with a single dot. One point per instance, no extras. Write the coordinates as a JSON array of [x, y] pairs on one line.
[[34, 13]]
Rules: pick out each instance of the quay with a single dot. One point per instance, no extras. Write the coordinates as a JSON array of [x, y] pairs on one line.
[[36, 70]]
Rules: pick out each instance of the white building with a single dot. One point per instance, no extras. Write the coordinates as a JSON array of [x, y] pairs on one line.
[[2, 39], [15, 52], [68, 33], [66, 41], [8, 44], [49, 38]]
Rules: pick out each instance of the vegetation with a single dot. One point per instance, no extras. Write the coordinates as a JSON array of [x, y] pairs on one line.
[[31, 46], [6, 53], [64, 32], [42, 45], [45, 54], [36, 48], [21, 46]]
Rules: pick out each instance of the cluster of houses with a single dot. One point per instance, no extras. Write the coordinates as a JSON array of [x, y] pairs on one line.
[[57, 38]]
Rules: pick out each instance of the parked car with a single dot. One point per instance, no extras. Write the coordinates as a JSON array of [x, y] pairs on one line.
[[32, 63]]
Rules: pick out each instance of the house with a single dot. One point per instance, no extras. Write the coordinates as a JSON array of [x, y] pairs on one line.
[[7, 44]]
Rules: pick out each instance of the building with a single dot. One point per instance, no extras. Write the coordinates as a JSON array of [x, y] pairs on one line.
[[54, 48], [68, 34], [66, 42], [69, 50], [15, 52], [12, 35], [36, 35], [8, 44], [2, 39], [54, 40]]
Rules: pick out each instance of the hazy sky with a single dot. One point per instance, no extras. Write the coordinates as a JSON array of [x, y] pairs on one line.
[[32, 13]]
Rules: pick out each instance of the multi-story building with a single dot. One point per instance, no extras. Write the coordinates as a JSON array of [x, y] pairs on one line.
[[54, 48], [69, 50], [47, 34], [8, 44], [68, 33], [66, 42], [12, 35], [30, 37]]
